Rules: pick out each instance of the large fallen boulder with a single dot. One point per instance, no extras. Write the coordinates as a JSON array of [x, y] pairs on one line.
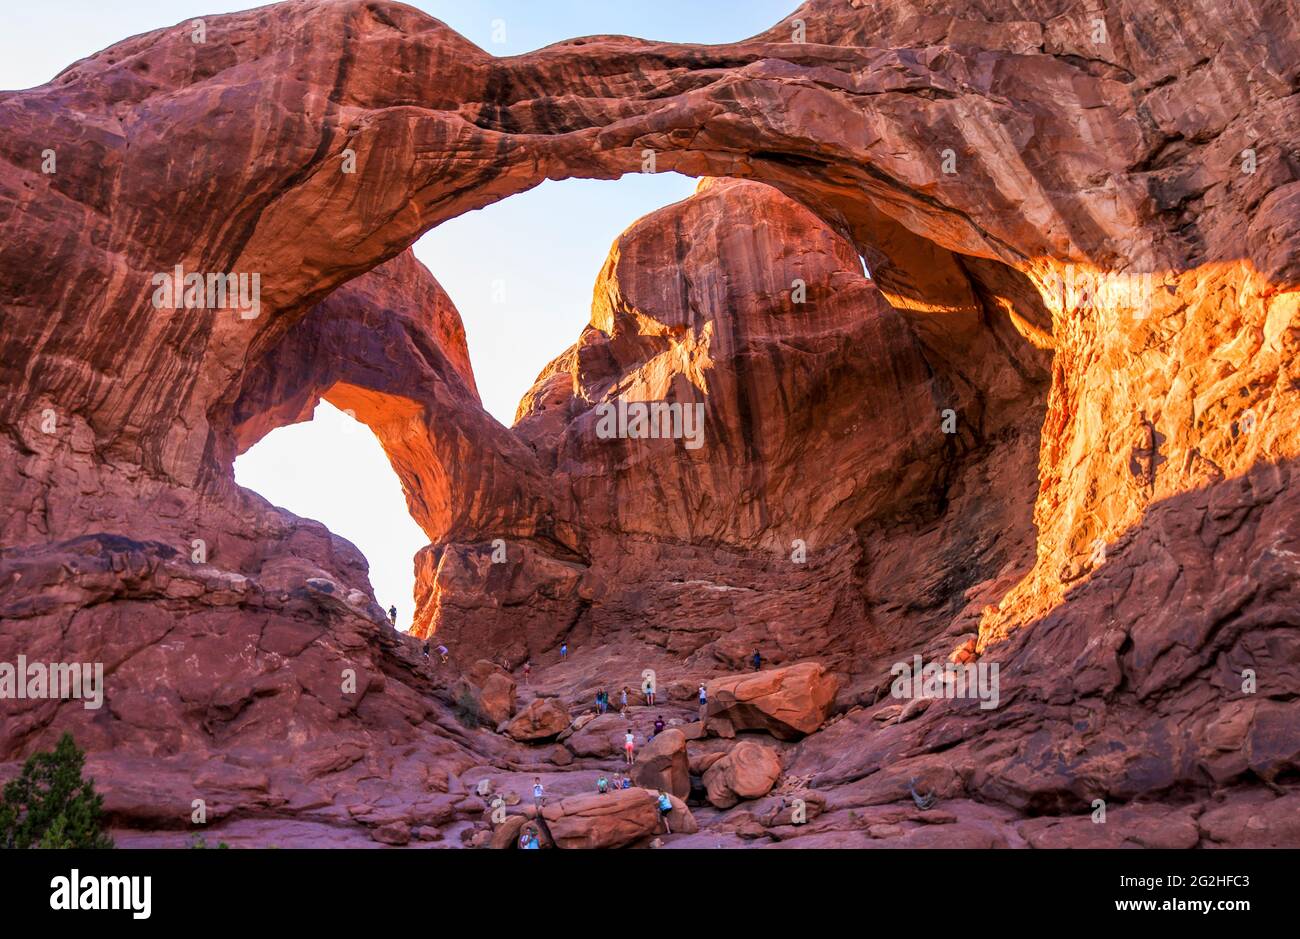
[[786, 702], [599, 737], [663, 764], [488, 692], [748, 772], [610, 820], [496, 690], [542, 719]]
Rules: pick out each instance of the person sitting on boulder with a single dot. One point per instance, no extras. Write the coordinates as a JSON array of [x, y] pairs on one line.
[[659, 727], [627, 782], [757, 660], [628, 745], [665, 806], [602, 784]]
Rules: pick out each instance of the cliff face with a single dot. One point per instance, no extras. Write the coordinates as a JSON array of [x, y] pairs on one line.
[[833, 482], [1082, 235]]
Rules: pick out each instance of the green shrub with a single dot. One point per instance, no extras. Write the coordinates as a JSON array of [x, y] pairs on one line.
[[49, 805], [467, 709]]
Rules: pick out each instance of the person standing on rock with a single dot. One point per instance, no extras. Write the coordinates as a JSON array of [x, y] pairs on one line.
[[425, 650], [564, 651], [757, 660], [392, 614], [628, 746], [648, 689], [538, 793], [659, 727], [704, 702], [528, 670], [623, 702]]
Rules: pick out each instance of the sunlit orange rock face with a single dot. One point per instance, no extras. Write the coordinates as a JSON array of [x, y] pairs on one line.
[[1050, 432]]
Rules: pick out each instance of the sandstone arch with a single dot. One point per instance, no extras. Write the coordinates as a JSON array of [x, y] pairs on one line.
[[228, 156]]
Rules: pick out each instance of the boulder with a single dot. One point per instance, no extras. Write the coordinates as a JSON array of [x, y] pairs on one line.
[[747, 772], [663, 764], [786, 702], [609, 820], [497, 698], [543, 719], [599, 737]]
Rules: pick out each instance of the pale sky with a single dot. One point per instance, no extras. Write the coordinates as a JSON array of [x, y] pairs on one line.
[[546, 245]]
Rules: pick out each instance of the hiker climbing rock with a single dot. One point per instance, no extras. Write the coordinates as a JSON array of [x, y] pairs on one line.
[[665, 805], [425, 650], [757, 660], [392, 614], [923, 802], [564, 651], [442, 654]]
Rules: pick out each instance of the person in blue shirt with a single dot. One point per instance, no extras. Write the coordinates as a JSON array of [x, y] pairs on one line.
[[665, 805]]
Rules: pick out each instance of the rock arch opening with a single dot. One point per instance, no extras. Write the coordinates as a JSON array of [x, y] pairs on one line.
[[332, 468]]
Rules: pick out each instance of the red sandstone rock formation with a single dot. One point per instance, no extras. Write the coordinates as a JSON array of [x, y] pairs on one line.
[[1082, 242]]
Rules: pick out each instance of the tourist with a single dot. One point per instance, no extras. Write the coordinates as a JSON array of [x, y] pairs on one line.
[[704, 702], [392, 614], [442, 654], [665, 806], [648, 689], [627, 782], [757, 660], [425, 650], [602, 701], [529, 839], [628, 746], [602, 784], [564, 651], [538, 792], [528, 670], [623, 702], [659, 727]]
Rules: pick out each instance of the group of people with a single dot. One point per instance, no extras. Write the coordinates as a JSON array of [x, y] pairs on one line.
[[530, 838]]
